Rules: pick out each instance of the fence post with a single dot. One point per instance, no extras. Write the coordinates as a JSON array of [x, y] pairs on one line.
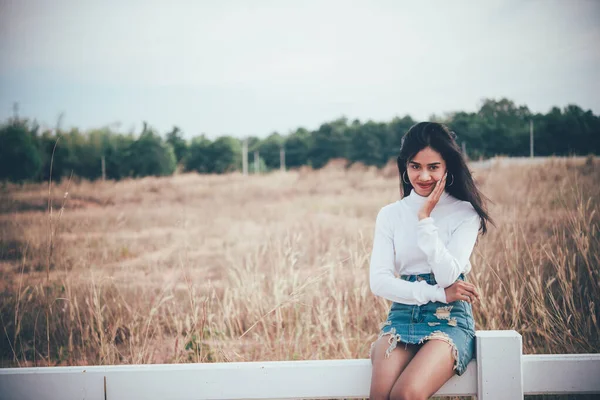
[[499, 370]]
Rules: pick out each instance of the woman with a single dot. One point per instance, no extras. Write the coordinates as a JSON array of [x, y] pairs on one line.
[[426, 238]]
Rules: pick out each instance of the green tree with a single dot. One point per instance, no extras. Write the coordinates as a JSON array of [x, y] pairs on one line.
[[297, 146], [467, 127], [225, 155], [331, 140], [84, 155], [550, 133], [114, 147], [269, 150], [221, 156], [198, 155], [498, 127], [397, 128], [19, 155], [57, 155], [176, 140], [505, 127], [371, 143], [149, 155]]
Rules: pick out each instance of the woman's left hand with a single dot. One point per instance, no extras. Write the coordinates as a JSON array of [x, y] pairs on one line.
[[433, 198]]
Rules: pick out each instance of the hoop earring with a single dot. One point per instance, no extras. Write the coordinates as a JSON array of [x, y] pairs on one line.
[[452, 175], [408, 183]]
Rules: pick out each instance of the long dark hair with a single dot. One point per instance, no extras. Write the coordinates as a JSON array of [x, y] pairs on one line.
[[441, 139]]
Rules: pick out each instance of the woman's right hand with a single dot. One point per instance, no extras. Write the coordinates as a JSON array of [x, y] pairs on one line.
[[461, 290]]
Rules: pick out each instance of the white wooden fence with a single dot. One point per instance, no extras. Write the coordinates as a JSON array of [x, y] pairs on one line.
[[500, 372]]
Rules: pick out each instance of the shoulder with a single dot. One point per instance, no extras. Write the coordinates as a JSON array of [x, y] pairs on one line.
[[462, 210], [392, 208], [389, 211]]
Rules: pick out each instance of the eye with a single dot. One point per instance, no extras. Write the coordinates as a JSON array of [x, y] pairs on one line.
[[434, 167], [413, 166]]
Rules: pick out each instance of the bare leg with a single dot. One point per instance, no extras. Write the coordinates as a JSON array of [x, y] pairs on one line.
[[387, 369], [426, 373]]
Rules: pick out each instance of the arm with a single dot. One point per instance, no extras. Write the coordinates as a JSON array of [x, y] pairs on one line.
[[447, 263], [382, 280]]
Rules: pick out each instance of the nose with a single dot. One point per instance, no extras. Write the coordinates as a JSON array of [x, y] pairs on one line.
[[424, 177]]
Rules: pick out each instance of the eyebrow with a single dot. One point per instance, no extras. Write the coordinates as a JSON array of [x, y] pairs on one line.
[[434, 163]]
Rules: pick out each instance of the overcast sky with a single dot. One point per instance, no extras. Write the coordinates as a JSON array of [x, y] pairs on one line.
[[254, 67]]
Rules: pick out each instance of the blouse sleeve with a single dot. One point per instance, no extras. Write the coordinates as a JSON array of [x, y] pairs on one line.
[[382, 280], [448, 262]]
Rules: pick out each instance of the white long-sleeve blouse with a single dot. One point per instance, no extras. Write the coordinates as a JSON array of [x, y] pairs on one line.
[[440, 244]]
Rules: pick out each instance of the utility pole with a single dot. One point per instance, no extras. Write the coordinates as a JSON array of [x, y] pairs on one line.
[[531, 138], [282, 159], [256, 162], [103, 169], [464, 150], [245, 157]]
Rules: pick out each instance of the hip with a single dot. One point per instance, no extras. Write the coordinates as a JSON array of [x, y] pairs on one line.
[[434, 314], [458, 313]]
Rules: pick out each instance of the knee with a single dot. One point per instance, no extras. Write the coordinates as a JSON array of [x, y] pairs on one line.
[[407, 392], [378, 395]]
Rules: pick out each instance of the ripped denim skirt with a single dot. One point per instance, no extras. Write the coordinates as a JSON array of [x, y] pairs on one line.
[[452, 323]]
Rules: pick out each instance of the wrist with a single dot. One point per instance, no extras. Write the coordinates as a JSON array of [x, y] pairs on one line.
[[441, 295]]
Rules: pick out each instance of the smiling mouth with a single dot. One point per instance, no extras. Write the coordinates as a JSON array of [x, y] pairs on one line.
[[425, 186]]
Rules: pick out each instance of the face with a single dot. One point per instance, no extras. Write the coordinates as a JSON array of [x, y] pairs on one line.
[[425, 169]]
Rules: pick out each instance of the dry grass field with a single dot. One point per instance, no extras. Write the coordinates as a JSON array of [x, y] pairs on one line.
[[195, 268]]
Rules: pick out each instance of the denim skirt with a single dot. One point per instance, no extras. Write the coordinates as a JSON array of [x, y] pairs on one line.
[[413, 324]]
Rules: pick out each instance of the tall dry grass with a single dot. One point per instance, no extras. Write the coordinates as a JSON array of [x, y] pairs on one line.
[[225, 268]]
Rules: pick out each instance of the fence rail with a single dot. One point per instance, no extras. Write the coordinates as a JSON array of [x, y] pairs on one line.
[[500, 372]]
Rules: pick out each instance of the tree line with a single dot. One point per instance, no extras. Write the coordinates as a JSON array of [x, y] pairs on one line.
[[499, 127]]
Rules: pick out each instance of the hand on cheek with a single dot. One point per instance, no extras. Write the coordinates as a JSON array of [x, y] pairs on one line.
[[433, 198]]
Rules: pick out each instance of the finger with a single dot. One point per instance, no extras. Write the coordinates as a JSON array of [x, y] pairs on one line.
[[443, 183], [470, 289], [439, 188], [434, 193], [473, 292], [474, 289]]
